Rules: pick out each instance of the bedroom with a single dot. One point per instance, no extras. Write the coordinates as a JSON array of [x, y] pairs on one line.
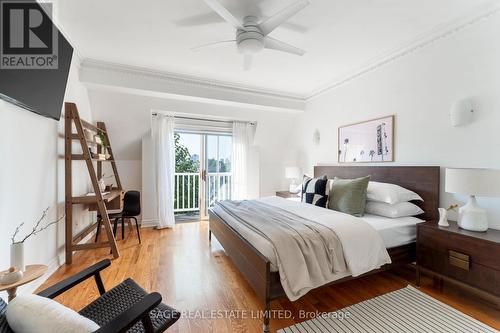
[[427, 64]]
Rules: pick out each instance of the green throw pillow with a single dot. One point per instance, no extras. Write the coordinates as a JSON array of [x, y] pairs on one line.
[[349, 195]]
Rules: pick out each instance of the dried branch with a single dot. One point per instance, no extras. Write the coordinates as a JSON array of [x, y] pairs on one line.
[[37, 228], [48, 225], [13, 238], [44, 213]]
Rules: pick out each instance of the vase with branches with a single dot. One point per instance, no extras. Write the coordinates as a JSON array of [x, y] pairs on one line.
[[17, 245]]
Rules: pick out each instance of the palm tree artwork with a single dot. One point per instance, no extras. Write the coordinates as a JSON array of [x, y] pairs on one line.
[[372, 153], [346, 145]]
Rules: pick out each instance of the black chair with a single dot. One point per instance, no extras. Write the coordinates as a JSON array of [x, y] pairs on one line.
[[131, 209], [125, 308]]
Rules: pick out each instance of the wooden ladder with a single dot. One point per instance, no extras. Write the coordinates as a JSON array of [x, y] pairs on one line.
[[99, 200]]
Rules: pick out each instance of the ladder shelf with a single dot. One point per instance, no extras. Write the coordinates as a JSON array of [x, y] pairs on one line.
[[98, 200]]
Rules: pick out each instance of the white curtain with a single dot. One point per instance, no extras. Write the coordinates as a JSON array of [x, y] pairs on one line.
[[242, 139], [164, 163]]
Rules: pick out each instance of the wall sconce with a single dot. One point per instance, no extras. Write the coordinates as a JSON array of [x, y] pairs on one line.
[[462, 113], [316, 137]]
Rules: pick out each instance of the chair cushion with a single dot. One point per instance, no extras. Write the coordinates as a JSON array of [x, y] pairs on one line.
[[122, 297], [32, 313]]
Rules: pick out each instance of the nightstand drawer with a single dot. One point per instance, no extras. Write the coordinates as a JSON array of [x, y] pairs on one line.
[[453, 266], [461, 247]]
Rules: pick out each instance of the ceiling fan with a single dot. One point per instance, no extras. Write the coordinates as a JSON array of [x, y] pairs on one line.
[[252, 33]]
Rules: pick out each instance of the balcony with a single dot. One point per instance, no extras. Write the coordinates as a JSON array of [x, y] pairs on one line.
[[188, 195]]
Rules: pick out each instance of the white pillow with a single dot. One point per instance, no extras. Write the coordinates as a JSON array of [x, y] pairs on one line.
[[402, 209], [33, 313], [390, 193]]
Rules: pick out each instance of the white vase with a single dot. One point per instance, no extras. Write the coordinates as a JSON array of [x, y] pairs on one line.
[[443, 217], [102, 185], [17, 256]]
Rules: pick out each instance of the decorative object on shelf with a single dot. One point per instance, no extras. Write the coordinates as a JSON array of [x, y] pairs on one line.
[[473, 182], [17, 247], [102, 185], [316, 137], [462, 113], [293, 173], [103, 139], [368, 141], [92, 154], [89, 135], [11, 276], [107, 155]]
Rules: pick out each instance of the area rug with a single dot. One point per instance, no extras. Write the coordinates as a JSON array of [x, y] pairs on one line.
[[404, 310]]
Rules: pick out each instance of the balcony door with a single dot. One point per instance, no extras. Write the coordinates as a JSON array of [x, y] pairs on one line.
[[203, 173]]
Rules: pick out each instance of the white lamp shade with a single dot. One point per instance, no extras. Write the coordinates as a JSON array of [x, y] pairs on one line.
[[479, 182], [292, 172]]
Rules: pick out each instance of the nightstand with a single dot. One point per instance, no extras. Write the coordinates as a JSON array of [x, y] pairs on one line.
[[288, 195], [470, 259]]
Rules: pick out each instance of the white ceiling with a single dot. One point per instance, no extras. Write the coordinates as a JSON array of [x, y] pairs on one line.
[[340, 36]]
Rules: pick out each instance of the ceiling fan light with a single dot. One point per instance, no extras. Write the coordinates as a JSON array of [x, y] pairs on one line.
[[250, 46]]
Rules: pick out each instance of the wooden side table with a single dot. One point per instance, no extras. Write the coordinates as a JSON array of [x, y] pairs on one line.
[[31, 273], [288, 195], [467, 258]]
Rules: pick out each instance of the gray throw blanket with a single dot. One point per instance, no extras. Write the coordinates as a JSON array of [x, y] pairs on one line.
[[308, 253]]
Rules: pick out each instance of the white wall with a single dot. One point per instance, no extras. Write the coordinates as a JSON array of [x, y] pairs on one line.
[[128, 119], [32, 177], [419, 89]]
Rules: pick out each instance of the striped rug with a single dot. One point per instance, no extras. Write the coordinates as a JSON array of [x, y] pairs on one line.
[[404, 310]]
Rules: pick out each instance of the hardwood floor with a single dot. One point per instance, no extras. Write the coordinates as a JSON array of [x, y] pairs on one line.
[[194, 276]]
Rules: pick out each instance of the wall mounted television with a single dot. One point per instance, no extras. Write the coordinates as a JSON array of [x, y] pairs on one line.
[[39, 90]]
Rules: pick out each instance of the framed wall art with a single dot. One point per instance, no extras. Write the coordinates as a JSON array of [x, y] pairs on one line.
[[367, 141]]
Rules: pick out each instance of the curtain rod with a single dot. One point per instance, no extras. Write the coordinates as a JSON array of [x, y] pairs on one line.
[[204, 119]]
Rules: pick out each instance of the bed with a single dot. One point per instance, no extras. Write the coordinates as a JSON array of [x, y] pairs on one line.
[[257, 267]]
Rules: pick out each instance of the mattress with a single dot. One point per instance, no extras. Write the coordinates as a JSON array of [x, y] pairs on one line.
[[394, 231]]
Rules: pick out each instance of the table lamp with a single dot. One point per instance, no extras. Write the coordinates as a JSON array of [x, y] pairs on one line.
[[473, 182], [293, 173]]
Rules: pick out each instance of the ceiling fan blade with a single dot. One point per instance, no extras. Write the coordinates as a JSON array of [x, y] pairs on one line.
[[224, 13], [201, 19], [211, 45], [276, 20], [274, 44], [295, 27], [247, 62]]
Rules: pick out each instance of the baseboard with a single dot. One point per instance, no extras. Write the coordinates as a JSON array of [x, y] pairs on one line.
[[149, 223]]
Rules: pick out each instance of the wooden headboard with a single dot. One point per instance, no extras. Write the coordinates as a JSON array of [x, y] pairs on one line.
[[423, 180]]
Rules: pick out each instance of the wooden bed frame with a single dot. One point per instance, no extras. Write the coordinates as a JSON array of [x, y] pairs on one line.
[[255, 267]]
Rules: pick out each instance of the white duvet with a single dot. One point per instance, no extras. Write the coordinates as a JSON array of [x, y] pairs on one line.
[[362, 246]]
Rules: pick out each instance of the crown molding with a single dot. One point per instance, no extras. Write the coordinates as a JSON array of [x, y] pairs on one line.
[[187, 79], [440, 32], [148, 82]]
